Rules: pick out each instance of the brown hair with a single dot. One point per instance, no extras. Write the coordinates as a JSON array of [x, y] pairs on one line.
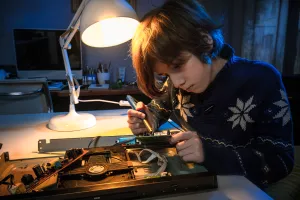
[[166, 32]]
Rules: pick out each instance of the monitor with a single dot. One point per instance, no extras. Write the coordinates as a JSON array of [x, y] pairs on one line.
[[38, 54]]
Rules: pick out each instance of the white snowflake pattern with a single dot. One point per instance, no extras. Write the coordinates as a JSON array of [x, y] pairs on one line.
[[184, 106], [241, 113], [284, 111]]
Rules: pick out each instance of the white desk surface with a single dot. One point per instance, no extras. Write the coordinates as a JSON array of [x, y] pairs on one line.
[[19, 135]]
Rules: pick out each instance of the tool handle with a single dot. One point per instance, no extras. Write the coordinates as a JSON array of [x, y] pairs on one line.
[[132, 101]]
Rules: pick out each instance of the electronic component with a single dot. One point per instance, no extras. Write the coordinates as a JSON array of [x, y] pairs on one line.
[[73, 153], [154, 140], [54, 164], [98, 167], [49, 176], [18, 188], [126, 141], [27, 179], [38, 171]]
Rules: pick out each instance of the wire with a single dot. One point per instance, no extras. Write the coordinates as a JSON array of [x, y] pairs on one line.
[[161, 160], [120, 103], [116, 158], [95, 140], [9, 177], [95, 100], [123, 103]]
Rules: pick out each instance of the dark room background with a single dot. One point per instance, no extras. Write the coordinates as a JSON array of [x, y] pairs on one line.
[[265, 30]]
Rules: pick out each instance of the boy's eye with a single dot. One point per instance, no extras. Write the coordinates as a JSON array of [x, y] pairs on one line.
[[159, 75], [176, 66]]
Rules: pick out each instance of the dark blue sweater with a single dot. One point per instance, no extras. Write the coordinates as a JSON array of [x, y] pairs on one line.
[[243, 120]]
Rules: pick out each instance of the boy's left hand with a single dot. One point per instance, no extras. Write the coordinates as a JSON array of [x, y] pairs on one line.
[[189, 146]]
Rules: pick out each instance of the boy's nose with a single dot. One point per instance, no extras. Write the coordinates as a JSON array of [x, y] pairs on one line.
[[177, 81]]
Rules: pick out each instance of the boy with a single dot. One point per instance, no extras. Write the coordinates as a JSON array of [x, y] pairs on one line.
[[234, 112]]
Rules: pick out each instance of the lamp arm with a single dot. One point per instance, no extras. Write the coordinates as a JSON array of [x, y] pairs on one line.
[[64, 41], [65, 44], [78, 13]]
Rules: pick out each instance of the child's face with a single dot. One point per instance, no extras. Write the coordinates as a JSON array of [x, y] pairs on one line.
[[193, 76]]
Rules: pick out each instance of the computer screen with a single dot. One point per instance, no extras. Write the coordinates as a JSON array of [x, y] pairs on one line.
[[38, 53]]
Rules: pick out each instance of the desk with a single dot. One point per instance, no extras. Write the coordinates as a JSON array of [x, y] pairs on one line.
[[20, 133]]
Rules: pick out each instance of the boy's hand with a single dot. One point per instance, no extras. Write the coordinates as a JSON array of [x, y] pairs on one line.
[[189, 146], [135, 119]]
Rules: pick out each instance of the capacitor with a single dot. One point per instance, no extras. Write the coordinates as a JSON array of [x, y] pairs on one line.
[[79, 152], [44, 167], [38, 171], [27, 179], [73, 153], [70, 154], [54, 164]]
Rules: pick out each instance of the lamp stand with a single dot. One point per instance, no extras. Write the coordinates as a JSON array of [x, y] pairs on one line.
[[72, 121], [89, 17]]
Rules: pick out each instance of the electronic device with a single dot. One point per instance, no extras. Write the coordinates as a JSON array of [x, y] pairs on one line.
[[38, 54], [110, 172]]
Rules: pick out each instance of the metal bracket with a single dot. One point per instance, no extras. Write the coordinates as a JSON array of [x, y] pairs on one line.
[[69, 143]]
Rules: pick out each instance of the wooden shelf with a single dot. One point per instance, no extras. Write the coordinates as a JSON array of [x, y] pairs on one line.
[[85, 92], [61, 99]]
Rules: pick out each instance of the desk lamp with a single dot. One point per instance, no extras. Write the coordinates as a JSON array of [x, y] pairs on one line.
[[102, 23]]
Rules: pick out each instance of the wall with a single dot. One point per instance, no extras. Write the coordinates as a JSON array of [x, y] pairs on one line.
[[118, 55], [56, 14], [255, 28]]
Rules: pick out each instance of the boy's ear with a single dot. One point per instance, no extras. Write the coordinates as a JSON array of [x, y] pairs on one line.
[[207, 37]]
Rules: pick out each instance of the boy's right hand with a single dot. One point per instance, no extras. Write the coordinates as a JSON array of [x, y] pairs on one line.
[[135, 119]]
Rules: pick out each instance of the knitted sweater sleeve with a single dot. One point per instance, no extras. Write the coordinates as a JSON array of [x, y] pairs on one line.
[[269, 156], [161, 107]]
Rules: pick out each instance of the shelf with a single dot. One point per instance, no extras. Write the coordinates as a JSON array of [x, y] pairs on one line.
[[88, 92]]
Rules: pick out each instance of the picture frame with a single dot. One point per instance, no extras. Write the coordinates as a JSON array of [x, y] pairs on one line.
[[76, 3]]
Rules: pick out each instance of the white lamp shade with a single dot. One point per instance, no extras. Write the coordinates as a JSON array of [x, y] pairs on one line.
[[107, 23]]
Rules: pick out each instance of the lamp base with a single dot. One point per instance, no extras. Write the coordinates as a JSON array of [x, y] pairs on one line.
[[72, 121]]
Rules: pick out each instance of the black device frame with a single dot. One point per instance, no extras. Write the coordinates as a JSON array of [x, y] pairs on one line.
[[132, 189]]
